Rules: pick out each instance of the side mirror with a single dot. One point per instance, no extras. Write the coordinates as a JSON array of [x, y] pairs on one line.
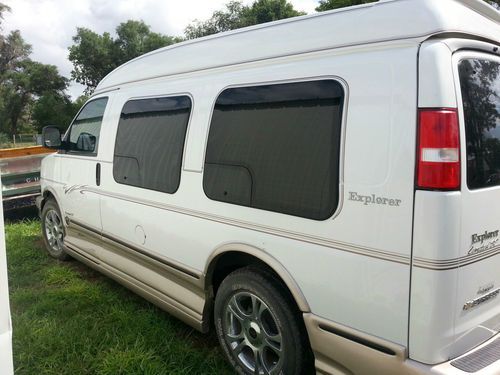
[[51, 137]]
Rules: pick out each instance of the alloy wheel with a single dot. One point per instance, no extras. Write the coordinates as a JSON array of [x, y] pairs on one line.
[[252, 334], [54, 231]]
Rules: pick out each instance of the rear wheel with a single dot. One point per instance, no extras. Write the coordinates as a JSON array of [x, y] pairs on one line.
[[259, 328], [53, 230]]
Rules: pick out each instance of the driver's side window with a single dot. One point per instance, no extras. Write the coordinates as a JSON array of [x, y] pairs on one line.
[[83, 136]]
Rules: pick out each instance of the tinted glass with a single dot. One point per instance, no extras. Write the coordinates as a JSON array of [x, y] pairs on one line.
[[84, 133], [276, 147], [150, 141], [480, 86]]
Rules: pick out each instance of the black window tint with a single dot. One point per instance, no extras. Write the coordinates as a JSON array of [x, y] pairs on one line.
[[480, 86], [150, 141], [83, 136], [276, 147]]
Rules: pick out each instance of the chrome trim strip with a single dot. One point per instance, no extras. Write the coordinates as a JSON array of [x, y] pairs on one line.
[[171, 305], [69, 247], [13, 198], [351, 248], [448, 264], [424, 263]]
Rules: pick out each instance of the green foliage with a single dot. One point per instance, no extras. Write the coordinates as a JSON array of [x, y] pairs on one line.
[[21, 85], [31, 93], [494, 3], [4, 140], [236, 15], [135, 38], [52, 109], [262, 11], [334, 4], [3, 8], [69, 319], [13, 50], [94, 56], [221, 20]]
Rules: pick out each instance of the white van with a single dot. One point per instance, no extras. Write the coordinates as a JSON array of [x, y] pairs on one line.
[[6, 363], [325, 189]]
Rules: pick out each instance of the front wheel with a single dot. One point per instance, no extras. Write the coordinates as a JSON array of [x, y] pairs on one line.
[[53, 230], [259, 328]]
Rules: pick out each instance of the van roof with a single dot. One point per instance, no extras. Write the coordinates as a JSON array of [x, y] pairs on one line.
[[386, 20]]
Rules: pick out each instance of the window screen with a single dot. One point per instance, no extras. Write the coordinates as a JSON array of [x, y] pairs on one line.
[[276, 147], [150, 142], [83, 136], [480, 86]]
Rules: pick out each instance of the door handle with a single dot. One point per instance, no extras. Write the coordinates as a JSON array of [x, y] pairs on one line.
[[98, 174]]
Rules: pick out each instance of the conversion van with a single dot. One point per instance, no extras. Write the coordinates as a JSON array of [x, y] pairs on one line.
[[323, 191]]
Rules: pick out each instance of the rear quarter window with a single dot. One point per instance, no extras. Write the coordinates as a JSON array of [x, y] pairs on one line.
[[276, 147], [480, 87]]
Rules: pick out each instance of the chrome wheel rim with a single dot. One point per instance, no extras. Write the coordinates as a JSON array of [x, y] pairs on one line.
[[54, 231], [252, 334]]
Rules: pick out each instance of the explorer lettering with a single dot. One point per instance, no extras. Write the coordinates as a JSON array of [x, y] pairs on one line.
[[373, 199]]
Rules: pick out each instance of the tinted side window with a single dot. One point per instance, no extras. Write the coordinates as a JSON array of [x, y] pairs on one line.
[[276, 147], [480, 86], [150, 142], [83, 136]]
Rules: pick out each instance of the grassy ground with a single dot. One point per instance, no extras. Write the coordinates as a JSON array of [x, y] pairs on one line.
[[68, 319]]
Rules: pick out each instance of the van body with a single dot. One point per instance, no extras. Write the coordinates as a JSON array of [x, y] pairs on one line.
[[352, 156], [6, 361]]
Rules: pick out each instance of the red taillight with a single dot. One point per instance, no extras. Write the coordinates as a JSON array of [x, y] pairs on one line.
[[438, 150]]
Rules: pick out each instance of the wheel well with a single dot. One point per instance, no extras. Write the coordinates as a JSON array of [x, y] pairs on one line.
[[230, 261], [46, 196]]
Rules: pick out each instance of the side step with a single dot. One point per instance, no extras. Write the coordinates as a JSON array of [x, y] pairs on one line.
[[479, 359]]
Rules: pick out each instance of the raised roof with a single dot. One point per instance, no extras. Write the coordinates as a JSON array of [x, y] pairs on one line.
[[386, 20]]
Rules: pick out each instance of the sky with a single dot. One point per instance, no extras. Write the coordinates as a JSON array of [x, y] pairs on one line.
[[49, 25]]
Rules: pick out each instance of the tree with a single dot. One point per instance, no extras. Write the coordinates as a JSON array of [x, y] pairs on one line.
[[13, 50], [237, 15], [334, 4], [22, 86], [30, 92], [135, 38], [221, 20], [3, 8], [93, 55], [52, 109], [262, 11], [494, 3]]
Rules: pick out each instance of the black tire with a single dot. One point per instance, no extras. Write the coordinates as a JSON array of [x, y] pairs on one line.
[[54, 247], [291, 355]]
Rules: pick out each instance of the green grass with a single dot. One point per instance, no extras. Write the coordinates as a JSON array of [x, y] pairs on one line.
[[69, 319]]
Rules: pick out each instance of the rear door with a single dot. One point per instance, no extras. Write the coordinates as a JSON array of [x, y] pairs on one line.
[[478, 92]]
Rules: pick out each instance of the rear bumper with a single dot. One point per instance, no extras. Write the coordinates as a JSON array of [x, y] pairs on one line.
[[343, 350]]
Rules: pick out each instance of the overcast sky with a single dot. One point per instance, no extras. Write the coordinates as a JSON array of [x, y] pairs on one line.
[[49, 25]]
